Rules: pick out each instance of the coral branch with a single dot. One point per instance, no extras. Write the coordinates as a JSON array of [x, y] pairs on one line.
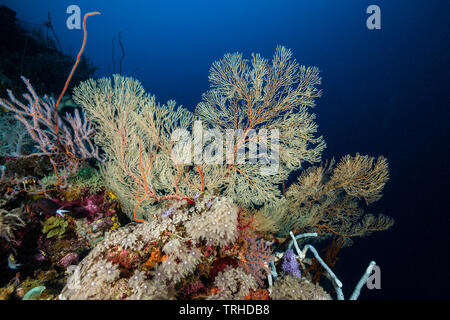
[[201, 177], [71, 72], [38, 115]]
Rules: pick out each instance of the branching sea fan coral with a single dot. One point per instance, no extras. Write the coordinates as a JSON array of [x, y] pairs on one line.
[[326, 199], [251, 98], [135, 133]]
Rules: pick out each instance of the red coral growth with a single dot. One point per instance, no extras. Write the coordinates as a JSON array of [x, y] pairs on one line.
[[259, 294], [122, 257], [245, 225], [220, 264]]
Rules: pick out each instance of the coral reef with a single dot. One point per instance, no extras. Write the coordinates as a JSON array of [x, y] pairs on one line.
[[148, 226], [130, 122], [137, 251], [38, 244]]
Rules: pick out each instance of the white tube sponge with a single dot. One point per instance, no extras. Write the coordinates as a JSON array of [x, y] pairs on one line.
[[362, 281]]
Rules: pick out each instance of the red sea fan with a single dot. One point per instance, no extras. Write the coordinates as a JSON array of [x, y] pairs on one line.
[[257, 259]]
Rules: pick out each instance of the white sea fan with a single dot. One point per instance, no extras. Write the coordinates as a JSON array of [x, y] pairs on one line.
[[256, 96]]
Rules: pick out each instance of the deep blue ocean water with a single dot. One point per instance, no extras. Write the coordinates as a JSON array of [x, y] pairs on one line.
[[386, 92]]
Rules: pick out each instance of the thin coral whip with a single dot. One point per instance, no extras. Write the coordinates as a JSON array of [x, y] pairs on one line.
[[73, 70]]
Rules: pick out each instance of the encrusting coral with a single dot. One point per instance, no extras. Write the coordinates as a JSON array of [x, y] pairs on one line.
[[292, 288], [133, 246]]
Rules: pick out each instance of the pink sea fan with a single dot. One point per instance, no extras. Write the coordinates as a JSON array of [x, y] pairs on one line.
[[257, 259], [67, 143]]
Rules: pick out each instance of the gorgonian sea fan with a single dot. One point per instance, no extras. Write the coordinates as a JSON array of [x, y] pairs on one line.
[[257, 259]]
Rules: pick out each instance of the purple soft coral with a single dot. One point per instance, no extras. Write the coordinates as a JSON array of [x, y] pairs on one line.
[[290, 264]]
